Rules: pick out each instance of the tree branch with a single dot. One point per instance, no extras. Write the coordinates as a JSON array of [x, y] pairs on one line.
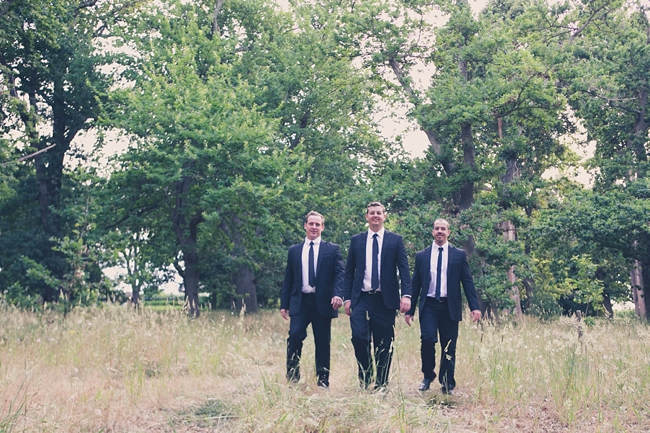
[[31, 155], [215, 14], [589, 20], [5, 7]]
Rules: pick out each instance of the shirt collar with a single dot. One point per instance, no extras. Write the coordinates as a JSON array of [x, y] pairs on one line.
[[445, 246], [380, 233], [315, 241]]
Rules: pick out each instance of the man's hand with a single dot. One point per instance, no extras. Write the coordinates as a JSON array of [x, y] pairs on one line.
[[404, 304], [476, 315], [336, 302], [285, 314], [347, 304], [409, 319]]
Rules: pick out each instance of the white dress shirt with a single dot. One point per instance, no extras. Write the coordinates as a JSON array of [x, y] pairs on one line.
[[306, 288], [367, 275], [434, 266]]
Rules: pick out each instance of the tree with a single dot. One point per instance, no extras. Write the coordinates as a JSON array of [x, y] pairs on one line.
[[607, 84], [584, 241], [52, 89], [491, 113]]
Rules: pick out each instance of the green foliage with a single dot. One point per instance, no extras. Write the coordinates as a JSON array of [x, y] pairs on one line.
[[494, 255], [241, 120], [584, 245], [53, 86], [544, 305]]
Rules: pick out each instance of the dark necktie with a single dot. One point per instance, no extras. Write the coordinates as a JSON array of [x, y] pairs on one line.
[[438, 272], [374, 282], [312, 274]]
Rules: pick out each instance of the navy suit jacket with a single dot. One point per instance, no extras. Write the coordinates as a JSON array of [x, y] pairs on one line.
[[329, 279], [393, 258], [457, 272]]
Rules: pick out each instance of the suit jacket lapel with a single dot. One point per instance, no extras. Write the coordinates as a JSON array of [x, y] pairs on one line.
[[427, 256], [321, 253], [384, 244], [297, 260], [450, 256]]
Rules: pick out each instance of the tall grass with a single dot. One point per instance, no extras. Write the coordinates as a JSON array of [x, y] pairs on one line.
[[113, 369]]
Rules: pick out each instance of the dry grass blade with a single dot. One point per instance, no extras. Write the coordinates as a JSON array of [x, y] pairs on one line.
[[111, 369]]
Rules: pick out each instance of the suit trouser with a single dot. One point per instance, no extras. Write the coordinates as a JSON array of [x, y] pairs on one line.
[[435, 320], [371, 320], [321, 327]]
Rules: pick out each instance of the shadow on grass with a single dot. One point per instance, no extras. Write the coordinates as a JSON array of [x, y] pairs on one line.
[[212, 414], [442, 400]]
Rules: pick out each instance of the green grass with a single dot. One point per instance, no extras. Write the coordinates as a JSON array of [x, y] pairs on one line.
[[115, 369]]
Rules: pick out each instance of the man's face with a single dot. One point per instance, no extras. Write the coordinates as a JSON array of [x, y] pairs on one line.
[[375, 216], [314, 227], [440, 232]]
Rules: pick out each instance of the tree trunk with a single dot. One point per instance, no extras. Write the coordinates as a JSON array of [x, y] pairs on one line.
[[607, 304], [186, 235], [191, 282], [246, 299], [510, 234], [636, 281], [215, 14], [529, 284], [645, 276], [486, 310], [469, 162]]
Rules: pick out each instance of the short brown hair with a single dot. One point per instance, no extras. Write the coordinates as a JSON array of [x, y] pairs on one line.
[[442, 220], [314, 213], [376, 203]]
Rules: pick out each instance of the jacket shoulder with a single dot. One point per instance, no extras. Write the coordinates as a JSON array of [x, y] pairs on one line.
[[389, 234], [456, 250], [330, 244]]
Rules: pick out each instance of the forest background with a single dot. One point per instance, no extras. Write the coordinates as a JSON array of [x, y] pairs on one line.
[[238, 117]]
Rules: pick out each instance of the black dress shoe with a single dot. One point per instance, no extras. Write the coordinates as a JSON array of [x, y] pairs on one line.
[[424, 386], [381, 387], [447, 391]]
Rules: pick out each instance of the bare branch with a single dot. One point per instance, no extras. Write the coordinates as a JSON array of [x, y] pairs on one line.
[[6, 5], [31, 155], [215, 14], [589, 20]]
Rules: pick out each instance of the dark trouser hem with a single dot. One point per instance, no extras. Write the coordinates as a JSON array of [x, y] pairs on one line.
[[428, 355], [383, 357], [294, 350], [364, 361]]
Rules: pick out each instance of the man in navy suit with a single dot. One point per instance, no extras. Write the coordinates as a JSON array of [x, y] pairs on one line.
[[439, 271], [312, 293], [372, 294]]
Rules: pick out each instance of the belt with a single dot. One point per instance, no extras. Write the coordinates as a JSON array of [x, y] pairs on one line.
[[371, 292], [442, 300]]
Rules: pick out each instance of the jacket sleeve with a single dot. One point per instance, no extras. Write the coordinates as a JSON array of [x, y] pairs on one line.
[[468, 285], [285, 294], [350, 267], [416, 286], [339, 273], [403, 266]]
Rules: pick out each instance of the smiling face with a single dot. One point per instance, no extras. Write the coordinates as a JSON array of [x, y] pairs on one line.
[[314, 227], [375, 215], [440, 232]]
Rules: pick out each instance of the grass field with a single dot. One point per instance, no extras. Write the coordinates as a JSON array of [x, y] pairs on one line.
[[115, 370]]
